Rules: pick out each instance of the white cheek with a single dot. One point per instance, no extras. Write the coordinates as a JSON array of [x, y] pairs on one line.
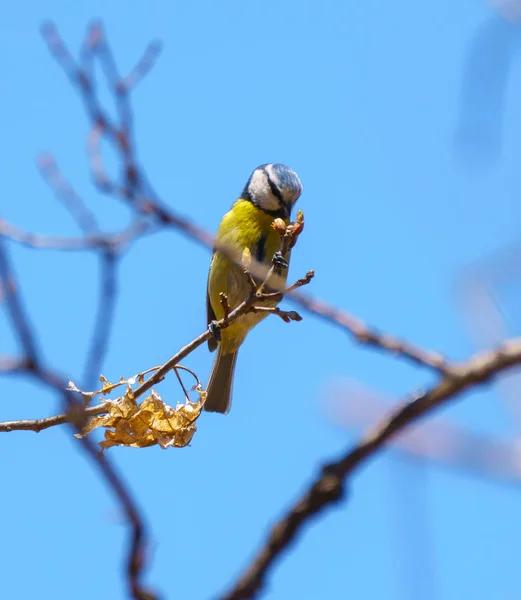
[[268, 202], [259, 186], [261, 193]]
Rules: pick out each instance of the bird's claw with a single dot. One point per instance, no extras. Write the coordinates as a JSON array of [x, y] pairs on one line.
[[215, 329], [279, 261]]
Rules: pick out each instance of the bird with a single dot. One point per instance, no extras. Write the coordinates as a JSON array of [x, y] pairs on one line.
[[270, 193]]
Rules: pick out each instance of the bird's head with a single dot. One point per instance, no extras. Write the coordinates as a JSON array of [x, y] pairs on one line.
[[274, 188]]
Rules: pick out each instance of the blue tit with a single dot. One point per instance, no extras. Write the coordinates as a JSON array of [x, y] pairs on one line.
[[270, 193]]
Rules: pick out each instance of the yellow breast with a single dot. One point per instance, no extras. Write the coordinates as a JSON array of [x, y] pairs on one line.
[[244, 226]]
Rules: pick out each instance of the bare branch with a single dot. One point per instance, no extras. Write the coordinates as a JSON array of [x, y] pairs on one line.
[[10, 365], [92, 242], [351, 406], [38, 425], [226, 308], [76, 418], [286, 315], [64, 191], [144, 65], [329, 487], [300, 282], [16, 311], [364, 335]]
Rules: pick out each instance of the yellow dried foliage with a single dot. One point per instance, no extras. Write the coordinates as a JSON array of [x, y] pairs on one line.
[[147, 424]]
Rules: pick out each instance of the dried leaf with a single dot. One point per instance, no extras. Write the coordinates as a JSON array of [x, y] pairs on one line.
[[72, 386], [106, 386], [152, 422], [87, 396]]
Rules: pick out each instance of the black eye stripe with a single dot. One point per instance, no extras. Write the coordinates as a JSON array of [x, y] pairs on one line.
[[274, 189]]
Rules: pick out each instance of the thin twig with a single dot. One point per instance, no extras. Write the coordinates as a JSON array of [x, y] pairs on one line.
[[185, 391], [10, 365], [144, 65], [38, 425], [285, 315], [364, 335], [16, 310], [64, 191], [300, 282], [329, 487], [226, 308], [92, 242], [192, 373]]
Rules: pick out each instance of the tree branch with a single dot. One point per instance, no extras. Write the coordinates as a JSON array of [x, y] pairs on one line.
[[363, 334], [90, 242], [108, 292], [67, 195], [329, 487], [32, 366], [38, 425], [285, 315]]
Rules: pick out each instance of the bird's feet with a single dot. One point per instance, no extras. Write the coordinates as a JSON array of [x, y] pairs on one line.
[[215, 329], [279, 261]]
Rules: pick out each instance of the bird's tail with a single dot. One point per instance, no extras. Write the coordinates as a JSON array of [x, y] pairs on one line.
[[219, 388]]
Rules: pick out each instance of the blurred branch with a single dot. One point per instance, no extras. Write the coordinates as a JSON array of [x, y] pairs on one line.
[[32, 366], [16, 312], [484, 293], [64, 191], [365, 335], [509, 9], [10, 365], [108, 291], [437, 441], [329, 487], [89, 242]]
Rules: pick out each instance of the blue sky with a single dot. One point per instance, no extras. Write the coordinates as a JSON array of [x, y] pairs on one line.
[[365, 103]]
